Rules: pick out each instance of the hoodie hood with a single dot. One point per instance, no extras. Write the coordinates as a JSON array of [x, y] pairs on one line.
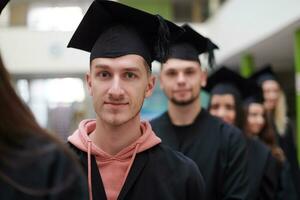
[[80, 139]]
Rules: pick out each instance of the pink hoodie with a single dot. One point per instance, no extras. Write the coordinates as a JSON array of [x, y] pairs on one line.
[[113, 169]]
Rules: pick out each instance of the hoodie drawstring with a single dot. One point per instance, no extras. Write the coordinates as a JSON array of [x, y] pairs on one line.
[[131, 162], [89, 170]]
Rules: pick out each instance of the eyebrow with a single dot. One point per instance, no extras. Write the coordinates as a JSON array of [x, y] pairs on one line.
[[102, 66], [175, 69], [105, 66], [132, 69]]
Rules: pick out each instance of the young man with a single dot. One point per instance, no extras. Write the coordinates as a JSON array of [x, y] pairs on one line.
[[217, 148], [122, 155]]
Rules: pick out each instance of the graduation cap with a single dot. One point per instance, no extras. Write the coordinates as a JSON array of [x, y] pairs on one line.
[[3, 4], [266, 73], [191, 44], [226, 81], [256, 96], [110, 29]]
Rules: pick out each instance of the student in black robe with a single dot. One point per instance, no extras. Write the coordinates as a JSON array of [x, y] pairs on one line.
[[227, 90], [275, 104], [33, 164], [218, 149], [256, 125], [122, 156]]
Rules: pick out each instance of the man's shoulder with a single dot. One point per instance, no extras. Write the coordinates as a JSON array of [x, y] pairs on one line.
[[166, 155], [159, 119], [216, 125]]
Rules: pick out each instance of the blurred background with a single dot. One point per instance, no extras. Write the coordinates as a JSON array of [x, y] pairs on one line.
[[50, 78]]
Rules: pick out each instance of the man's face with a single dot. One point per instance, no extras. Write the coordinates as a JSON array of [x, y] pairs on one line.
[[271, 92], [223, 106], [181, 81], [118, 87]]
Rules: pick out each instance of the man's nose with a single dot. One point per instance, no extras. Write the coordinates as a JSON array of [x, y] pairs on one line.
[[116, 90], [181, 78]]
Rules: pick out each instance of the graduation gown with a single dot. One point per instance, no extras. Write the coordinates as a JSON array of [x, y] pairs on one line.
[[264, 171], [41, 171], [288, 145], [156, 174], [218, 149]]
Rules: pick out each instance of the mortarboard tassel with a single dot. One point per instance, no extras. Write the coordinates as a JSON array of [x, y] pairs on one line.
[[163, 40]]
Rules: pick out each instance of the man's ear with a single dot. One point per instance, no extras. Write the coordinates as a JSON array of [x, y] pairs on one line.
[[89, 82], [203, 77], [150, 86], [161, 85]]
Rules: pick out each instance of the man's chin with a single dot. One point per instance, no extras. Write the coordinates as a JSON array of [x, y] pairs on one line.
[[182, 102]]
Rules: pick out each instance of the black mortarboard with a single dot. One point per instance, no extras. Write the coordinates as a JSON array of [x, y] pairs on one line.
[[3, 4], [256, 96], [266, 73], [226, 81], [110, 29], [191, 44]]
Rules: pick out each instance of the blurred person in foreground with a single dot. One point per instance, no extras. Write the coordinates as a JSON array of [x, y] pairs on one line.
[[122, 156], [33, 164]]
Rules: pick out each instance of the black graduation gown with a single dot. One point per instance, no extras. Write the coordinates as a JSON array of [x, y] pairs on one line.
[[288, 145], [158, 173], [50, 173], [218, 149], [264, 171]]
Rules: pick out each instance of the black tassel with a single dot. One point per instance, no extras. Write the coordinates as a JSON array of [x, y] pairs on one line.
[[211, 55], [163, 40]]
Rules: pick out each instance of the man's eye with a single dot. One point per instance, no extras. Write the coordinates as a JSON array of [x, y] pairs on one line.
[[190, 72], [103, 74], [171, 73], [130, 75]]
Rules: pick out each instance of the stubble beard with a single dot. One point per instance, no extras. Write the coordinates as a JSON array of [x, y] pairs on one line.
[[184, 102]]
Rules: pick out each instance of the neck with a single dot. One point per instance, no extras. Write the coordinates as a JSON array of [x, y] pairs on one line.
[[184, 115], [112, 139]]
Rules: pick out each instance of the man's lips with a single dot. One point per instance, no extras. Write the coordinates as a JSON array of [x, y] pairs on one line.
[[181, 91], [116, 103]]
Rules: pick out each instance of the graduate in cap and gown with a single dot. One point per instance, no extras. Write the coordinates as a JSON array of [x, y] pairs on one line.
[[228, 90], [276, 107], [122, 156], [218, 148]]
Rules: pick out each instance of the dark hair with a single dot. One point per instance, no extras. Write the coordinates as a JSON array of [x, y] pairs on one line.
[[19, 132], [267, 134], [246, 106], [224, 89]]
